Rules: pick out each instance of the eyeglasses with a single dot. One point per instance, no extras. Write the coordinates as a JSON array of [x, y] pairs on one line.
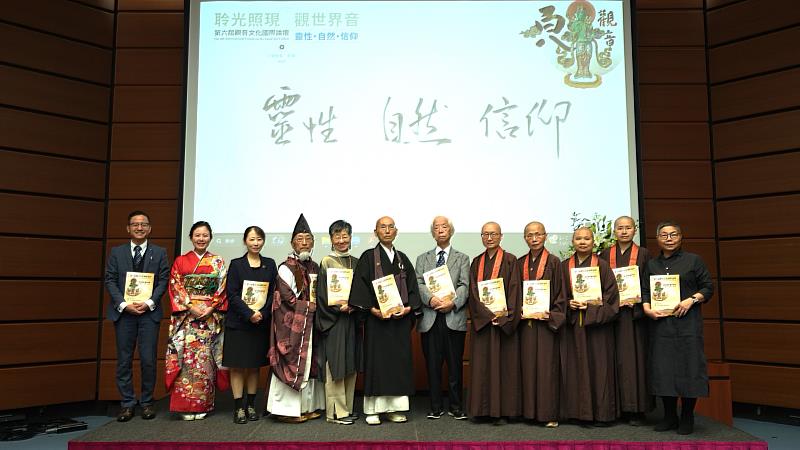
[[672, 235], [139, 225], [490, 235], [386, 227], [535, 235]]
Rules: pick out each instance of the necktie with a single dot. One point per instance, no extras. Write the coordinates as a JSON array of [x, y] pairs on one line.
[[440, 261], [137, 255]]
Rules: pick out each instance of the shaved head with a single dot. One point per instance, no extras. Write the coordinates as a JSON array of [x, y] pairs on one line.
[[534, 223]]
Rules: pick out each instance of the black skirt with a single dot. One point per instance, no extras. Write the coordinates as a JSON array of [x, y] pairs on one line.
[[245, 349]]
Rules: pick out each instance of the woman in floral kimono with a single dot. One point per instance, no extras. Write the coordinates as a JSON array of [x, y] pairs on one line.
[[194, 349]]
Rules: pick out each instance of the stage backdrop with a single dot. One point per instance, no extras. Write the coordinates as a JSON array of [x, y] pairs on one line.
[[92, 107]]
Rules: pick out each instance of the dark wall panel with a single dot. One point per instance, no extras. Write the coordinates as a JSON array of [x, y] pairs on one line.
[[763, 175], [765, 385], [49, 175], [146, 142], [756, 217], [673, 103], [49, 134], [48, 300], [660, 177], [149, 66], [761, 54], [695, 216], [35, 215], [749, 18], [148, 104], [43, 342], [22, 257], [145, 29], [672, 65], [125, 180], [766, 258], [69, 19], [670, 28], [751, 137], [757, 95], [22, 387], [664, 141], [762, 300]]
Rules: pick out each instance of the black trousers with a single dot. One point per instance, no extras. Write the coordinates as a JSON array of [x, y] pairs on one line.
[[131, 332], [443, 345]]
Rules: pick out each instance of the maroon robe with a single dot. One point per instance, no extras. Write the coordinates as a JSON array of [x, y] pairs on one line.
[[539, 344], [292, 323], [588, 379], [494, 384], [630, 332]]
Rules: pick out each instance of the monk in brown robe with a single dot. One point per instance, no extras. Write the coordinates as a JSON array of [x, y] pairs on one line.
[[589, 389], [494, 385], [630, 328], [539, 345]]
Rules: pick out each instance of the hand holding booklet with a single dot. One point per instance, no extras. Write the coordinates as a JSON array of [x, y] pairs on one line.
[[586, 285], [254, 294], [338, 285], [389, 299], [138, 287], [536, 299], [629, 285], [665, 292], [439, 283], [492, 293]]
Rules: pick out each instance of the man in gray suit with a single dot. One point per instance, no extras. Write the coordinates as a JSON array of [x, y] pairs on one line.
[[136, 321], [443, 326]]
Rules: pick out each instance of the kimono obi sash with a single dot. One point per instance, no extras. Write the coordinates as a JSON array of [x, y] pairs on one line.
[[201, 287]]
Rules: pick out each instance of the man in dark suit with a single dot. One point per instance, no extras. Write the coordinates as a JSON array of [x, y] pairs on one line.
[[443, 326], [136, 321]]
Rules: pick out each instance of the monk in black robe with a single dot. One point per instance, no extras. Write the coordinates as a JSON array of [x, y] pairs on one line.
[[539, 345], [589, 385], [677, 360], [630, 328], [388, 371], [494, 385]]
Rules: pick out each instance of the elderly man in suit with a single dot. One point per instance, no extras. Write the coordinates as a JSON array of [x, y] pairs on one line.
[[443, 326], [136, 321]]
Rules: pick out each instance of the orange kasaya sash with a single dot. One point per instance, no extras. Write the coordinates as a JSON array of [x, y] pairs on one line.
[[612, 255], [539, 269], [498, 257]]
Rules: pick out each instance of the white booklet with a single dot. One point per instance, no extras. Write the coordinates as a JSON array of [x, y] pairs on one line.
[[439, 283]]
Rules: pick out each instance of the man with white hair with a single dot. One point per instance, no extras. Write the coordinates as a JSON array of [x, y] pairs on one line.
[[443, 327], [295, 394]]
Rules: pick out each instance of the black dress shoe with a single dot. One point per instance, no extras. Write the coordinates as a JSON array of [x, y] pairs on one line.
[[148, 412], [239, 416], [252, 414], [457, 414], [686, 425], [435, 414], [601, 424], [636, 419], [669, 423], [125, 414], [500, 421]]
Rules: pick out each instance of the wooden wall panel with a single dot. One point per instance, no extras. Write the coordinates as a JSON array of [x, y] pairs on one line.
[[750, 18], [146, 142], [48, 300], [695, 216], [66, 18], [763, 175], [673, 103], [757, 216], [108, 341], [23, 130], [48, 175], [149, 66], [35, 215], [662, 179], [711, 307], [146, 29], [765, 385], [761, 54], [774, 257], [672, 65], [148, 104], [22, 387], [711, 339], [163, 217], [108, 5], [751, 137], [762, 342], [23, 257], [150, 5], [762, 300], [107, 384], [670, 28], [32, 90], [755, 95], [53, 54], [666, 141], [126, 180], [711, 4], [39, 342]]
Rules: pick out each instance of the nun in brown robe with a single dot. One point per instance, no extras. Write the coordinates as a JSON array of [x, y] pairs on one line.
[[494, 384], [539, 345], [589, 385], [630, 329]]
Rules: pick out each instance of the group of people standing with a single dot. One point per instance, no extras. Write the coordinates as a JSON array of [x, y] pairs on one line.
[[594, 363]]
